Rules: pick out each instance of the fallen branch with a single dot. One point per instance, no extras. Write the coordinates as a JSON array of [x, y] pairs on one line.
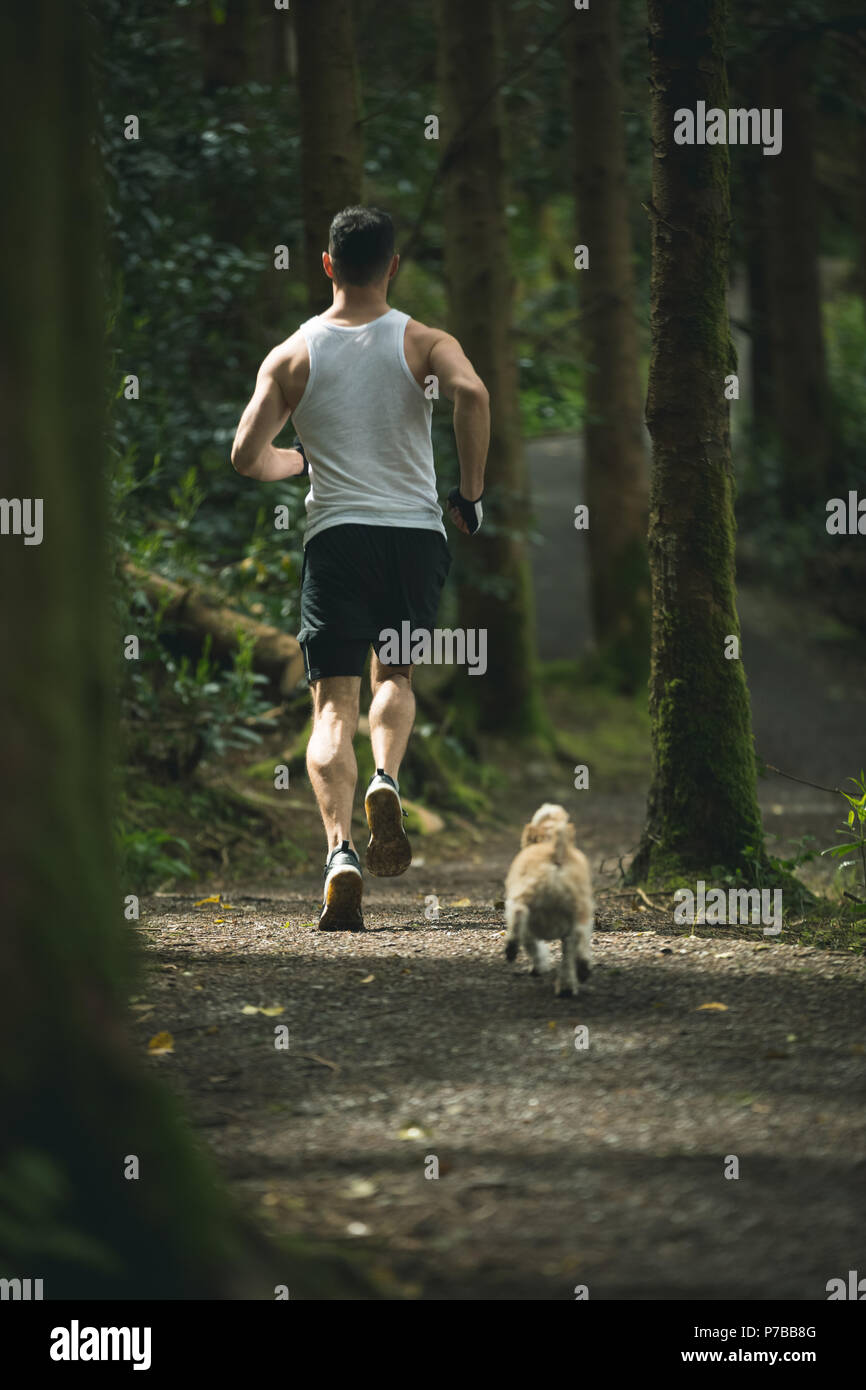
[[194, 612], [322, 1061]]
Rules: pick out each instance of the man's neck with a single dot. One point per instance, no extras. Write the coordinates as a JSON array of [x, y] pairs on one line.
[[351, 310]]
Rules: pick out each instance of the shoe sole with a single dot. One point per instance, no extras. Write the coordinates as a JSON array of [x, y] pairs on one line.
[[342, 908], [389, 852]]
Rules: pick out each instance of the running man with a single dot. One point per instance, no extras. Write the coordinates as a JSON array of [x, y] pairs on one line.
[[375, 550]]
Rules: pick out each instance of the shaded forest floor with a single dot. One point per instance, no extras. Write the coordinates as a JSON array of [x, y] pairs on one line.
[[558, 1166], [602, 1166]]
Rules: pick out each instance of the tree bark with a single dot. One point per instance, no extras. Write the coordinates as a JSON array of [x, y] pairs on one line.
[[331, 157], [225, 39], [860, 203], [758, 256], [494, 585], [616, 481], [194, 612], [77, 1104], [702, 809]]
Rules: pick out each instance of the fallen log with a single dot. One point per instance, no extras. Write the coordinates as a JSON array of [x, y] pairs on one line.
[[192, 611]]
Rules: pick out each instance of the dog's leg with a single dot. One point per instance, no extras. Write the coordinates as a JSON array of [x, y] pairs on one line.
[[584, 950], [537, 952], [566, 983], [514, 916]]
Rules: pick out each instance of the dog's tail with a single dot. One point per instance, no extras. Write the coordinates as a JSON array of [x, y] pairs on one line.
[[561, 843]]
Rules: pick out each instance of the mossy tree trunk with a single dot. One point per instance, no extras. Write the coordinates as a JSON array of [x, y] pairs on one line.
[[77, 1104], [860, 197], [616, 474], [493, 573], [702, 809], [331, 146]]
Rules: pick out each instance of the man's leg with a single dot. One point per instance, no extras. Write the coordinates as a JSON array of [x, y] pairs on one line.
[[331, 764], [392, 714]]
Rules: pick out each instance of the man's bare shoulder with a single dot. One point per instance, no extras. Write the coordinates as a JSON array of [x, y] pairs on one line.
[[289, 363], [289, 354], [424, 334], [418, 342]]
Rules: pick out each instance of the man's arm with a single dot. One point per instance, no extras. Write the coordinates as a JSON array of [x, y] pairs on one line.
[[253, 453], [459, 381]]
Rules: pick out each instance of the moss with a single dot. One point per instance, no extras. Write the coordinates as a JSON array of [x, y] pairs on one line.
[[263, 771], [609, 732], [702, 804]]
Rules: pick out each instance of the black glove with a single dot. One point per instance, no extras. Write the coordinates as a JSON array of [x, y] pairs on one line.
[[296, 444], [471, 512]]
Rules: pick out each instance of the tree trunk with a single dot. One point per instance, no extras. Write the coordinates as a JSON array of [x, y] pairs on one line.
[[616, 482], [702, 809], [77, 1104], [860, 205], [758, 255], [225, 37], [802, 413], [494, 586], [331, 161]]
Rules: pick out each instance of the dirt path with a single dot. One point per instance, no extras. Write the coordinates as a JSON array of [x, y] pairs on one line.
[[557, 1166], [603, 1166]]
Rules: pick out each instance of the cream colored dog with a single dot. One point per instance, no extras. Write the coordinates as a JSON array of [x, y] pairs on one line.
[[548, 895]]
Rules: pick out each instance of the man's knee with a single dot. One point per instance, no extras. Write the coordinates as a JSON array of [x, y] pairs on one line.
[[336, 700], [380, 673]]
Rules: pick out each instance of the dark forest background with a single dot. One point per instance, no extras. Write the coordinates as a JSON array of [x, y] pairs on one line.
[[150, 672], [219, 178]]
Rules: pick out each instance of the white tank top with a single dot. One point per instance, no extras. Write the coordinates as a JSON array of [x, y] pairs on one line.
[[365, 425]]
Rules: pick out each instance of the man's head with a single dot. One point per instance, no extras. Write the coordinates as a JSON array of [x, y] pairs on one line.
[[361, 248]]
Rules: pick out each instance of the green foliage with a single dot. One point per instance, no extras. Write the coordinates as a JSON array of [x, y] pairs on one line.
[[845, 330], [787, 544], [763, 870], [195, 206], [144, 859], [177, 710], [551, 399], [855, 825]]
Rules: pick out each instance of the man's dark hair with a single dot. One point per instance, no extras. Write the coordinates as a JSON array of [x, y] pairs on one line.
[[361, 245]]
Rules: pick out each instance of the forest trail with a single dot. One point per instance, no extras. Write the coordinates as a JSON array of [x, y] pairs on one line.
[[603, 1166], [558, 1167]]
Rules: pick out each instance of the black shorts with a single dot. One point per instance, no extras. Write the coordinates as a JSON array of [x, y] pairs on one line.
[[356, 582]]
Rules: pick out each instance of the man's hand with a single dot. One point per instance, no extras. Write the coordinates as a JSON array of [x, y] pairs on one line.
[[466, 516]]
